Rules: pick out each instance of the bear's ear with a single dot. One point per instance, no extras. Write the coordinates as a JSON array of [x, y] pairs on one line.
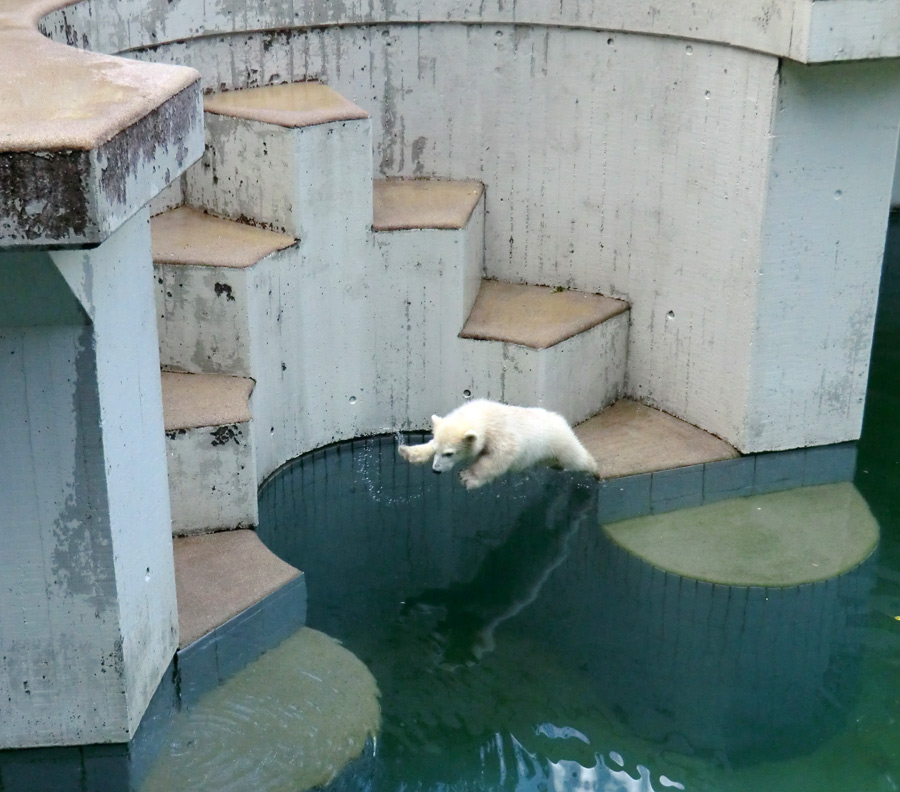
[[471, 437], [435, 420]]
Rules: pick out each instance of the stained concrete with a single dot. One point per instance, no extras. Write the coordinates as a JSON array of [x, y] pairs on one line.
[[192, 400], [535, 316], [630, 438], [781, 539], [400, 204], [221, 574], [292, 105], [188, 236]]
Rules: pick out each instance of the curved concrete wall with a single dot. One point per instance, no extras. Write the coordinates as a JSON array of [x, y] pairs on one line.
[[630, 151], [643, 168], [808, 31]]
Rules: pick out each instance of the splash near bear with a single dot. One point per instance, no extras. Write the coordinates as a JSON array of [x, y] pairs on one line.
[[490, 439]]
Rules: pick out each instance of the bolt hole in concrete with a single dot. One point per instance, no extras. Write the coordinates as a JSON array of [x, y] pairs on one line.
[[517, 644]]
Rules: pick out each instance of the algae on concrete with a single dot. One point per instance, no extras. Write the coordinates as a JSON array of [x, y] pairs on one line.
[[779, 539]]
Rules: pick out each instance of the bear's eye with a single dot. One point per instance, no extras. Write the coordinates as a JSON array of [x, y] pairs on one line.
[[447, 453]]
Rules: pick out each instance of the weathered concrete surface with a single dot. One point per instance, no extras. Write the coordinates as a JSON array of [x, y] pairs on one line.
[[91, 140], [629, 438], [205, 283], [88, 597], [803, 30], [654, 191], [826, 211], [219, 575], [210, 450]]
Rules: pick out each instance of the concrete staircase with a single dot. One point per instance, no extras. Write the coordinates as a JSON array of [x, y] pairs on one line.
[[302, 301], [356, 306]]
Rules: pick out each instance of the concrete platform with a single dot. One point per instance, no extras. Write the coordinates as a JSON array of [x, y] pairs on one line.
[[535, 316], [219, 575], [780, 539], [188, 236], [401, 204], [292, 105], [195, 400], [629, 438]]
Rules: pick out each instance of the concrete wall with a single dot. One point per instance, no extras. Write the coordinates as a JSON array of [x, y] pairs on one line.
[[803, 30], [88, 597], [895, 196], [823, 240], [665, 192], [669, 155]]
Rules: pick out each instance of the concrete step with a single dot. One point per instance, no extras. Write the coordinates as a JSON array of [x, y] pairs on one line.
[[430, 237], [410, 204], [557, 348], [221, 575], [236, 599], [206, 280], [629, 438], [210, 450], [296, 158]]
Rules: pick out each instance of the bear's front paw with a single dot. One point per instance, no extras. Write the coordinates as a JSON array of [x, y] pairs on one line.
[[470, 480], [417, 454]]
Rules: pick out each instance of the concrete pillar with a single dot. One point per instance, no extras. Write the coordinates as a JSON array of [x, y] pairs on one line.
[[834, 129], [87, 592]]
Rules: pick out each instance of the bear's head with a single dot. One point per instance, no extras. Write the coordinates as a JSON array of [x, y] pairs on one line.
[[454, 443]]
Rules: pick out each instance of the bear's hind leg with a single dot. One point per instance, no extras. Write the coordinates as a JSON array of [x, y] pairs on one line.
[[577, 457]]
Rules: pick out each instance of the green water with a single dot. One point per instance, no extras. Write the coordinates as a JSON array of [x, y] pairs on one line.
[[516, 648]]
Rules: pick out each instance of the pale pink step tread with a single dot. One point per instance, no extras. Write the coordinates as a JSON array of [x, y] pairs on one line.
[[219, 575], [292, 105], [188, 236], [402, 204], [535, 316], [195, 400]]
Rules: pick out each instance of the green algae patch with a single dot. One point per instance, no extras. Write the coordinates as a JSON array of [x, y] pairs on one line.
[[290, 721], [779, 539]]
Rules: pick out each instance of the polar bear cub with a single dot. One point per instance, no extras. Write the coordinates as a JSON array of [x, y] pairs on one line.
[[493, 438]]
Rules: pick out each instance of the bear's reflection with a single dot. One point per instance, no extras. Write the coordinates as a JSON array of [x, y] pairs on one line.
[[454, 597]]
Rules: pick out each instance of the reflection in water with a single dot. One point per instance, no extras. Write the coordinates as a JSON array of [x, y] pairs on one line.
[[507, 611], [509, 577], [525, 771], [738, 673]]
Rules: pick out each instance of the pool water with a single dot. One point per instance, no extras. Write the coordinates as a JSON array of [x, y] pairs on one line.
[[511, 649]]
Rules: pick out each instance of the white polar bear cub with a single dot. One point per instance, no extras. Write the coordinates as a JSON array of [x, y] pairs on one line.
[[495, 438]]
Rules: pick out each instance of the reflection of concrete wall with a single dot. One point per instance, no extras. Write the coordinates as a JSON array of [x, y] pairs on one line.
[[747, 672]]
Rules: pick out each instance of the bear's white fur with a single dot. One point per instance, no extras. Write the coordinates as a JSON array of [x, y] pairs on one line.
[[494, 438]]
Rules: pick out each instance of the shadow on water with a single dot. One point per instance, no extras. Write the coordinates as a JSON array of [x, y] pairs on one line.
[[515, 645]]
